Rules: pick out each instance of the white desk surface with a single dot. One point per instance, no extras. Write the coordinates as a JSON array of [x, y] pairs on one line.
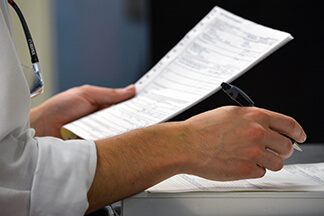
[[202, 203]]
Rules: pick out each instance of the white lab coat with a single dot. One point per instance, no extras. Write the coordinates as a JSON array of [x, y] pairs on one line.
[[38, 176]]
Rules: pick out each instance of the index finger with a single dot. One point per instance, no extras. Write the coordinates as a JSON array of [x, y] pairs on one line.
[[287, 126]]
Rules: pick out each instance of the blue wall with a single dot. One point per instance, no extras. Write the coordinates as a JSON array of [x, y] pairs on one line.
[[104, 43]]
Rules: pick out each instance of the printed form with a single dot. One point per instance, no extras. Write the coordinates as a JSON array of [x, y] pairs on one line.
[[220, 48], [296, 178]]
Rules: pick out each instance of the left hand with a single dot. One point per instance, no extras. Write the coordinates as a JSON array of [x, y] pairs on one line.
[[48, 118]]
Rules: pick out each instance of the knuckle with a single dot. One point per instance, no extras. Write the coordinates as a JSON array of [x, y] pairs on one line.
[[287, 149], [292, 123], [256, 113], [255, 133], [80, 89], [113, 91], [84, 88], [255, 154]]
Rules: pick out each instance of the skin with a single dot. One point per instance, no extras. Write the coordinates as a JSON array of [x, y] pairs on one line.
[[49, 117], [227, 143]]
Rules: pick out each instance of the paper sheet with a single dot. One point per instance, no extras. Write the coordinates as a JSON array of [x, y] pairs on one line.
[[297, 177], [221, 47]]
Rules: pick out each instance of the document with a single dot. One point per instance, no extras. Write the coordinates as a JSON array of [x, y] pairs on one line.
[[294, 178], [220, 48]]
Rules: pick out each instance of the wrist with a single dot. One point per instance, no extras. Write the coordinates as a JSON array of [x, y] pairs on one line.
[[168, 141], [161, 146], [35, 118], [134, 161]]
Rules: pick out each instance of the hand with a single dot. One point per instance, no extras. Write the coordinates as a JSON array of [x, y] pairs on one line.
[[233, 143], [227, 143], [48, 118]]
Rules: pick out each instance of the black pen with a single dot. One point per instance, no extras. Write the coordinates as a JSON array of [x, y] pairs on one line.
[[243, 99]]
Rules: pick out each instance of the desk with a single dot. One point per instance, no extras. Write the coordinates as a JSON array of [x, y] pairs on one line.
[[205, 204]]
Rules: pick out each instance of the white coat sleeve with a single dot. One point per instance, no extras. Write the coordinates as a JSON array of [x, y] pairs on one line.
[[38, 176]]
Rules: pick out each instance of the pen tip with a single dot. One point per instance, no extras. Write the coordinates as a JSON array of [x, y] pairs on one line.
[[297, 147]]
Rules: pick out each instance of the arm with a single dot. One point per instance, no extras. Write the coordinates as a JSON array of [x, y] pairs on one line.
[[31, 167], [228, 143]]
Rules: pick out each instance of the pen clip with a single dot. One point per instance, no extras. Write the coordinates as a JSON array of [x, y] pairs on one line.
[[243, 99], [237, 94]]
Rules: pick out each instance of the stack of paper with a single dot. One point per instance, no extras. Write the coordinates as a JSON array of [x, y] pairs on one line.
[[220, 48], [297, 178]]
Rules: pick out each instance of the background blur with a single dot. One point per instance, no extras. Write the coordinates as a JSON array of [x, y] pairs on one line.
[[113, 42]]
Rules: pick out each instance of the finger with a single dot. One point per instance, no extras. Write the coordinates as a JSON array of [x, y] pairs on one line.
[[286, 125], [258, 172], [105, 96], [271, 161], [280, 144]]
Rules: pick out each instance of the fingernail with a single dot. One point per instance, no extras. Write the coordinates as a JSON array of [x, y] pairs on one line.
[[304, 137]]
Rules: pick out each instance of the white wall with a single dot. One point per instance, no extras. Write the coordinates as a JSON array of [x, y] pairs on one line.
[[38, 17]]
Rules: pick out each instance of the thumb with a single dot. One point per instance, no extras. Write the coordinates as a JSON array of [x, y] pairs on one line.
[[106, 97], [124, 93]]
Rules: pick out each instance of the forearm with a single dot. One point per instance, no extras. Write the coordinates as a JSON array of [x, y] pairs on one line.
[[130, 163]]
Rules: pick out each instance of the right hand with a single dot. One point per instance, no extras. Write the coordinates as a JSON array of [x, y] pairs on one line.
[[227, 143], [231, 143]]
